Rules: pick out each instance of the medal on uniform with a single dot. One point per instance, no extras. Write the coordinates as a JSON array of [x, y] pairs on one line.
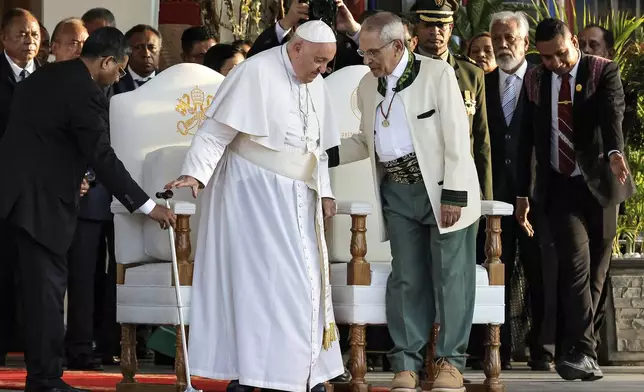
[[385, 123]]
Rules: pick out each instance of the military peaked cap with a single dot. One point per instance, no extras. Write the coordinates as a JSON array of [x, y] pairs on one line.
[[435, 11]]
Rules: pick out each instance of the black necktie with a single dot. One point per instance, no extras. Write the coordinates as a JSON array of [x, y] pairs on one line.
[[23, 75], [141, 82]]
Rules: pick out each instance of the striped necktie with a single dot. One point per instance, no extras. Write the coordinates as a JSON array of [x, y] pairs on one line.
[[566, 134], [509, 99]]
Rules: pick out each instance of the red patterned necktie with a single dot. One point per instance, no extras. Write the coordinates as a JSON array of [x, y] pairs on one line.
[[566, 133]]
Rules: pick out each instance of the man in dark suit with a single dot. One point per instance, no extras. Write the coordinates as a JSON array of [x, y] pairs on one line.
[[21, 42], [277, 34], [576, 107], [95, 233], [506, 105], [58, 126], [143, 65]]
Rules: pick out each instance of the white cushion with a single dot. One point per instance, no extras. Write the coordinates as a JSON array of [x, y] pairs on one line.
[[366, 304], [148, 297], [380, 272], [164, 112], [159, 167]]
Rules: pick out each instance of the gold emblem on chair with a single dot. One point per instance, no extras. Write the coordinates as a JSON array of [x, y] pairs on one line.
[[439, 3], [194, 105]]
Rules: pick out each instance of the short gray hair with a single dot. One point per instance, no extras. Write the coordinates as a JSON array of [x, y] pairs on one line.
[[388, 25], [519, 17]]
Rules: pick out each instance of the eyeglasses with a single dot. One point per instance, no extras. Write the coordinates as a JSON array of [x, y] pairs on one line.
[[374, 52], [122, 72]]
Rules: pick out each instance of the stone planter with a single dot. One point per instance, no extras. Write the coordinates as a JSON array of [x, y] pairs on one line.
[[623, 332]]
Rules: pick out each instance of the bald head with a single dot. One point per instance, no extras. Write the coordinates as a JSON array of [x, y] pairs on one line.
[[68, 39], [20, 36]]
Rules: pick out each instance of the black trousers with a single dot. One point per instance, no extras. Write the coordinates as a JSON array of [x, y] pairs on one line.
[[83, 259], [91, 292], [582, 232], [531, 258], [43, 277], [10, 329]]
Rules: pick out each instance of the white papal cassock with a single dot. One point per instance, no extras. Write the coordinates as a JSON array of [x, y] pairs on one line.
[[261, 300]]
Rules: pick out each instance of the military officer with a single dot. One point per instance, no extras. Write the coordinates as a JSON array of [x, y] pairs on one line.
[[435, 22]]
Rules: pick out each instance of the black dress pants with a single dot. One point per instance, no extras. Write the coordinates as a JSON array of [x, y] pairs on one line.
[[583, 232], [82, 260], [43, 277], [10, 329]]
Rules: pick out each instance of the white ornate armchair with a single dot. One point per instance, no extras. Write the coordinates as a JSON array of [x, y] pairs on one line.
[[151, 130], [358, 285]]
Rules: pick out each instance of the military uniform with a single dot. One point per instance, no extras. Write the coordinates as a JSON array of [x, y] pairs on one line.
[[471, 81]]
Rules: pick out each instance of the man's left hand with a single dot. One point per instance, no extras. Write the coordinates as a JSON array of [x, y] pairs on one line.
[[450, 215], [84, 187], [329, 207], [344, 22], [618, 167]]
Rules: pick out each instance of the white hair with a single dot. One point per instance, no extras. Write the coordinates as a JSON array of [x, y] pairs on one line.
[[389, 26], [506, 16]]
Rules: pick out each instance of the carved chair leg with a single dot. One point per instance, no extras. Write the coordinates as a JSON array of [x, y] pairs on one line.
[[129, 363], [492, 361], [358, 361]]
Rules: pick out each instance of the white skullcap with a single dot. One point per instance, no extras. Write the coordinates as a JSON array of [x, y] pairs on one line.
[[316, 31]]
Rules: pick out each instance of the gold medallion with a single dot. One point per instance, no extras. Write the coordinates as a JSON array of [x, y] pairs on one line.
[[385, 123]]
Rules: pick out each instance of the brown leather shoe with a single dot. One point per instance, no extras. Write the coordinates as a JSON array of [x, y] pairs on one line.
[[406, 380], [449, 379]]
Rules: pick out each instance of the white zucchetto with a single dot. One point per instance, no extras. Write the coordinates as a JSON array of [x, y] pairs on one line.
[[316, 31]]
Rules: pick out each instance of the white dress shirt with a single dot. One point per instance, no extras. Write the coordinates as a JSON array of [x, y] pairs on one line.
[[394, 141], [138, 78], [29, 68], [554, 135], [517, 82]]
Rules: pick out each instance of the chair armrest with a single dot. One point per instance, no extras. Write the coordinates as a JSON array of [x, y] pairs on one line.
[[353, 208], [498, 208], [179, 207]]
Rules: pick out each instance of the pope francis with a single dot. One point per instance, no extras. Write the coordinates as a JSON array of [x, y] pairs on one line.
[[261, 308], [415, 130]]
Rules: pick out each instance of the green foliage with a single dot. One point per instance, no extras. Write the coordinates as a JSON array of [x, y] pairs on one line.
[[475, 17]]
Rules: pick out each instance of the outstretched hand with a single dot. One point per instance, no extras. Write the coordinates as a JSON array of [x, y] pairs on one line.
[[618, 167], [185, 182]]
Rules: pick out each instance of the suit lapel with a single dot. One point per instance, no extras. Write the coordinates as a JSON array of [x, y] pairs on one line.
[[546, 106], [6, 73], [580, 93]]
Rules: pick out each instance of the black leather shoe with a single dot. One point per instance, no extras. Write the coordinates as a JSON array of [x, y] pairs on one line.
[[544, 364], [344, 377], [234, 386], [318, 388], [578, 366], [60, 387], [85, 363]]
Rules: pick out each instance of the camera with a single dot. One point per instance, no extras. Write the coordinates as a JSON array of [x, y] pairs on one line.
[[324, 10]]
